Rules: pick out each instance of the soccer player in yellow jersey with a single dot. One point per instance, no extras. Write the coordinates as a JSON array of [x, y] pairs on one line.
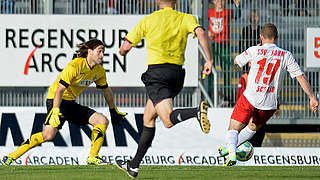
[[61, 103], [166, 32]]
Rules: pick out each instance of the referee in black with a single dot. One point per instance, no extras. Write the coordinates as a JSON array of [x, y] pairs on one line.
[[166, 32]]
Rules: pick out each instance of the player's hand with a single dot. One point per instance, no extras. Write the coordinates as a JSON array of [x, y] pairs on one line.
[[53, 117], [116, 116], [314, 104], [207, 69]]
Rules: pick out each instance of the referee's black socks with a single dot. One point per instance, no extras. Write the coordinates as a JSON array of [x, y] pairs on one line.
[[180, 115], [144, 143]]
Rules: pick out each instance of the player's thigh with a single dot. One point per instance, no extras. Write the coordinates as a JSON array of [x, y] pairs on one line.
[[76, 113], [163, 109], [149, 115], [163, 81], [262, 116], [243, 111], [49, 105], [236, 125]]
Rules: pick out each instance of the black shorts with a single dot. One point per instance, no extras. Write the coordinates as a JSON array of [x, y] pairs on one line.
[[163, 81], [72, 112]]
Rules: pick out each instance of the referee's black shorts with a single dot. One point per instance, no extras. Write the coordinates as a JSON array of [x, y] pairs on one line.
[[72, 112], [163, 81]]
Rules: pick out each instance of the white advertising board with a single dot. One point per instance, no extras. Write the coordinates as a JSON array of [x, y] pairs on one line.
[[312, 48], [35, 48], [184, 144], [49, 155]]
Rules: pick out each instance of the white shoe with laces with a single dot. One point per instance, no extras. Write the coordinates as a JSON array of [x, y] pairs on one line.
[[125, 166]]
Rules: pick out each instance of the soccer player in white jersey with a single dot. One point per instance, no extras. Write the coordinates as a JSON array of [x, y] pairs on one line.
[[259, 100]]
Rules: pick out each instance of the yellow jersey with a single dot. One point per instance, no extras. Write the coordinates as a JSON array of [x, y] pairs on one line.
[[77, 76], [166, 32]]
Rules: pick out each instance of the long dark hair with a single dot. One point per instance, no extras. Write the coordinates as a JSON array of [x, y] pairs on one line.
[[83, 47]]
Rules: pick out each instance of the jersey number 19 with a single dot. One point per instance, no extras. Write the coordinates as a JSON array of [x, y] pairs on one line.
[[272, 68]]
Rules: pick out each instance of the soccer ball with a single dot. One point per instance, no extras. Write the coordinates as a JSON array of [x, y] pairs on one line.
[[244, 151]]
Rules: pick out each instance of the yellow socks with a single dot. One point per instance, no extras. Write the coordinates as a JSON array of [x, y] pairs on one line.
[[33, 141], [97, 138]]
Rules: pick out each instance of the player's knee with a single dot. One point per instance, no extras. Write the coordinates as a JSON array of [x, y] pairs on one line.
[[48, 137], [100, 119], [103, 120], [49, 133], [253, 126], [168, 124], [166, 120]]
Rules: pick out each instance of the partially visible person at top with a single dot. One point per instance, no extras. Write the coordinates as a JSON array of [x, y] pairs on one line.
[[219, 34], [250, 34], [259, 102], [166, 32], [62, 106], [220, 19], [111, 6]]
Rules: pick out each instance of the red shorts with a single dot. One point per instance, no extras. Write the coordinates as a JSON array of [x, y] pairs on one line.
[[244, 111]]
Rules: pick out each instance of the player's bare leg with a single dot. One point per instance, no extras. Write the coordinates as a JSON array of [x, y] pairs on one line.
[[164, 109]]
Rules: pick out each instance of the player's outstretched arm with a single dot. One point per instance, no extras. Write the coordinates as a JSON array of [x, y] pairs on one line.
[[108, 96], [125, 48], [58, 95], [204, 42], [116, 115], [304, 83]]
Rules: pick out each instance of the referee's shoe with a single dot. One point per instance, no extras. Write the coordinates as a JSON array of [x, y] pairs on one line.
[[125, 166], [202, 117]]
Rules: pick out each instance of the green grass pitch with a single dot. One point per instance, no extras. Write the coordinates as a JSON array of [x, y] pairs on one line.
[[159, 172]]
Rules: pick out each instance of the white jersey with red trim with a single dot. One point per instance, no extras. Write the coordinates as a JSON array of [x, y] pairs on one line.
[[268, 64]]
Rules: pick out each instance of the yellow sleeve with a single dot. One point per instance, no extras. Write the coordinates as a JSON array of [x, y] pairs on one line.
[[191, 24], [101, 81], [137, 33], [68, 73]]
